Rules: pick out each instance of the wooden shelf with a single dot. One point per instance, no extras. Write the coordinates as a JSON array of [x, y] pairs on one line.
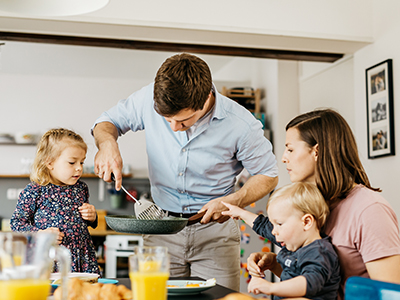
[[244, 94], [95, 232], [83, 175], [18, 144]]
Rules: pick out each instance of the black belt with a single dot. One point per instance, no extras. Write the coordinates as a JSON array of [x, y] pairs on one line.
[[180, 215]]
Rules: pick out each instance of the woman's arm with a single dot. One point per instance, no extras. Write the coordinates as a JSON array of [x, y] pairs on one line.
[[385, 269]]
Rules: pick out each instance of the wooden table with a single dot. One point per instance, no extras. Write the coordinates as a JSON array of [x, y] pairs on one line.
[[213, 293], [216, 292]]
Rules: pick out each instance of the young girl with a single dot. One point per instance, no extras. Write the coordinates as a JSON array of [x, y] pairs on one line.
[[307, 263], [57, 201]]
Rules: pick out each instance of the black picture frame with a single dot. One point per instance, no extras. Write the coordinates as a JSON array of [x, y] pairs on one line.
[[380, 112]]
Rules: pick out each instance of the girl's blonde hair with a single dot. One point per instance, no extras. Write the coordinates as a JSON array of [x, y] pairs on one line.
[[50, 146], [305, 197]]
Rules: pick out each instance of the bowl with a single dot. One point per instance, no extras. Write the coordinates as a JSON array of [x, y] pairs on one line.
[[129, 224]]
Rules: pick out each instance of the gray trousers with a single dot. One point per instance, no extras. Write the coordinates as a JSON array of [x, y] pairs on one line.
[[204, 250]]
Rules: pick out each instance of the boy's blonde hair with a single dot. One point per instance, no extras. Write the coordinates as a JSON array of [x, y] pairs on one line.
[[50, 146], [305, 197]]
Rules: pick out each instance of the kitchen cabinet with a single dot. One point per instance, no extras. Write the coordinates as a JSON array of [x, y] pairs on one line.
[[248, 97]]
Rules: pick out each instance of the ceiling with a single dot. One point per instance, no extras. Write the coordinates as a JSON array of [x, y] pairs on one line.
[[229, 28]]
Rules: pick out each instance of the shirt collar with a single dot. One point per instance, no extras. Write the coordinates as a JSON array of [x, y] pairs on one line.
[[219, 111]]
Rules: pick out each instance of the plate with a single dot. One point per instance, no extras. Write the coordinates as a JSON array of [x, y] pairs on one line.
[[100, 280], [56, 277], [180, 286], [129, 224]]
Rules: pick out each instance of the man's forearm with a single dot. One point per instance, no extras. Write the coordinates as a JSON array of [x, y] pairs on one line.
[[255, 188], [104, 132]]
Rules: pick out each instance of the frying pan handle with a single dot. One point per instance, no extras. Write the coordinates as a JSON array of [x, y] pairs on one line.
[[196, 218]]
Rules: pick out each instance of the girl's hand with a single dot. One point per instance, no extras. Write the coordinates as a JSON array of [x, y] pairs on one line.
[[259, 285], [88, 212], [235, 212], [55, 230]]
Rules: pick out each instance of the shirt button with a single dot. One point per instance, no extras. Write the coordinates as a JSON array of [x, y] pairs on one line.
[[183, 150], [180, 174]]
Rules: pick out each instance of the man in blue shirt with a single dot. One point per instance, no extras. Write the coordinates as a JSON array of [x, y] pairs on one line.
[[197, 142]]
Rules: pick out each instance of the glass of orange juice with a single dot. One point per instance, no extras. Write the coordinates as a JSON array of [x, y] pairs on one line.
[[149, 272], [26, 260]]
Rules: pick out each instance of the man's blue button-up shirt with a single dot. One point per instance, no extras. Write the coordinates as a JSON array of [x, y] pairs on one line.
[[185, 173]]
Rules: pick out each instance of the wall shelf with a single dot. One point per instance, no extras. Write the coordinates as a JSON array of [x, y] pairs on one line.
[[247, 97], [27, 176]]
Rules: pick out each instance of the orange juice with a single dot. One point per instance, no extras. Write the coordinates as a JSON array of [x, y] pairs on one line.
[[17, 260], [149, 285], [32, 289], [149, 266]]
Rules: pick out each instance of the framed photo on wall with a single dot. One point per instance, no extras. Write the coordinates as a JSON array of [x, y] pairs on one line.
[[380, 113]]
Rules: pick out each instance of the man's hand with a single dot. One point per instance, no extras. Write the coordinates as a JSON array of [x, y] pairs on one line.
[[214, 209], [108, 159]]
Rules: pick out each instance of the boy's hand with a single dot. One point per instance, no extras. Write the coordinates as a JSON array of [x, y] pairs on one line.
[[259, 262], [88, 212], [259, 285], [235, 212]]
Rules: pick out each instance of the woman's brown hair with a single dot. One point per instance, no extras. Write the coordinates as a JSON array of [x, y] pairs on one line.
[[182, 82], [49, 148], [338, 165]]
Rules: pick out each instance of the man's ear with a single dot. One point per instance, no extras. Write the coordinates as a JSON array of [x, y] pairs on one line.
[[308, 221]]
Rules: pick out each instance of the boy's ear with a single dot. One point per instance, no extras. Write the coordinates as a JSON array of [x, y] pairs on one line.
[[308, 221]]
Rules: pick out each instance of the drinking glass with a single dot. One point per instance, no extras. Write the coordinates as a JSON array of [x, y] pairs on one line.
[[149, 272], [26, 261]]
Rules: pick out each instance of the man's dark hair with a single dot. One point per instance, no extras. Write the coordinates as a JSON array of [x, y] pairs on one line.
[[182, 82]]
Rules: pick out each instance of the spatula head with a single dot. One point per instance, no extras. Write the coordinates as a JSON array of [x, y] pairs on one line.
[[147, 210]]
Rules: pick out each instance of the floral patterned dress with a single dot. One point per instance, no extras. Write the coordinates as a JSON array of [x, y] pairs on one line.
[[40, 207]]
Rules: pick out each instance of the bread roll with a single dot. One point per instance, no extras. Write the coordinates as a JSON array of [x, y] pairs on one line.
[[237, 296], [124, 293]]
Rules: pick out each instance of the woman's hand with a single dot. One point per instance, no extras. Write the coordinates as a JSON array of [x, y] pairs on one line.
[[55, 230], [88, 212], [259, 262]]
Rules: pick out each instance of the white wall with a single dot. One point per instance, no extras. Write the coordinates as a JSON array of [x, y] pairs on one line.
[[322, 89], [383, 172], [332, 86], [44, 86]]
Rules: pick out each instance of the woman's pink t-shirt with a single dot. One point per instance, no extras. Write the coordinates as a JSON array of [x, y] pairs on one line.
[[363, 228]]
